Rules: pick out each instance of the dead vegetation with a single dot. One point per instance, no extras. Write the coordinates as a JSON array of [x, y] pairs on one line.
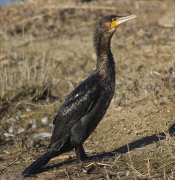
[[46, 50]]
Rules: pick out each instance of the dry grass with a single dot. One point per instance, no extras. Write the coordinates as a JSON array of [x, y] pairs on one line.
[[26, 79], [46, 50]]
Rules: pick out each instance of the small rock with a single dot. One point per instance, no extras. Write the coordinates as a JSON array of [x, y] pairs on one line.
[[21, 129], [42, 135], [9, 135], [10, 129], [34, 123], [127, 173], [51, 124], [44, 119], [18, 113], [28, 109]]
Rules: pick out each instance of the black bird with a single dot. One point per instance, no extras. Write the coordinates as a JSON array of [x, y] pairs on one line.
[[86, 104]]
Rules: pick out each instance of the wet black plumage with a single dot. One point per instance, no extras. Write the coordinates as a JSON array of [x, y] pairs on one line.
[[86, 105]]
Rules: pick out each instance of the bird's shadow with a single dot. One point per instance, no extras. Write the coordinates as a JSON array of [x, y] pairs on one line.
[[125, 148]]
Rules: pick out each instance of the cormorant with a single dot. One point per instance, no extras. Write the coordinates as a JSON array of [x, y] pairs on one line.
[[86, 104]]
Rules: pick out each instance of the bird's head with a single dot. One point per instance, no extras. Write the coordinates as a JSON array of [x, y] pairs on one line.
[[108, 24], [104, 30]]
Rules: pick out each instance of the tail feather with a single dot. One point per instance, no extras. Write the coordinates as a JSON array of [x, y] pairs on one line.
[[40, 162], [57, 148]]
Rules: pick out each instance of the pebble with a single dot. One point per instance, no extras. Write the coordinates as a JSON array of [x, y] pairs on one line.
[[18, 113], [44, 119], [9, 135], [42, 135], [21, 129], [127, 173], [10, 130], [34, 123], [28, 109]]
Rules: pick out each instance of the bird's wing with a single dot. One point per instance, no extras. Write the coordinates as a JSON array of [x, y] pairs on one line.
[[80, 102]]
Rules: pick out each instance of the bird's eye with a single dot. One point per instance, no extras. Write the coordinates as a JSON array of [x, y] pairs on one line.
[[114, 19]]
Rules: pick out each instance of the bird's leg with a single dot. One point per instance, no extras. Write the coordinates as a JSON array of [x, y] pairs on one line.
[[80, 153]]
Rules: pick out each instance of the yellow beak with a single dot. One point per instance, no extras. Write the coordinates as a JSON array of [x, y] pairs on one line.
[[119, 20]]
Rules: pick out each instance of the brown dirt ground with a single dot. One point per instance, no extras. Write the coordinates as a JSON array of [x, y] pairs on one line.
[[51, 42]]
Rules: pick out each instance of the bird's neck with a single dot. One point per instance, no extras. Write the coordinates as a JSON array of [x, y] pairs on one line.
[[103, 52]]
